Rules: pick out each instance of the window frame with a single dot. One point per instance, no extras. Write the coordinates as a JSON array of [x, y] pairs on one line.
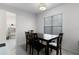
[[52, 22]]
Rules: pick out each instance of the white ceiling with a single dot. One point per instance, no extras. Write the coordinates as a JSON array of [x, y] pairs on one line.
[[32, 7]]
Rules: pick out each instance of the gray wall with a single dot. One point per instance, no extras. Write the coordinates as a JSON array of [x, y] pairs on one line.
[[70, 25]]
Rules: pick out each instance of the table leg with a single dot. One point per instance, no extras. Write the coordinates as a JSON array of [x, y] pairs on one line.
[[47, 48]]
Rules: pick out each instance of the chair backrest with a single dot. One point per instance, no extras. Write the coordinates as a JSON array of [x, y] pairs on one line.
[[32, 38], [59, 40], [27, 35], [31, 31]]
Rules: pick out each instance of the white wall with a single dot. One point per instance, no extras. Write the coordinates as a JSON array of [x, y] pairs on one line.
[[70, 22], [24, 22], [2, 26], [10, 18]]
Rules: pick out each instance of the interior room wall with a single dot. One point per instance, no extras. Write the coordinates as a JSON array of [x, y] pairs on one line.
[[2, 26], [24, 21], [70, 25], [10, 18]]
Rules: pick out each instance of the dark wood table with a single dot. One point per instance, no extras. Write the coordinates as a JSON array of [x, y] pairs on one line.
[[48, 38]]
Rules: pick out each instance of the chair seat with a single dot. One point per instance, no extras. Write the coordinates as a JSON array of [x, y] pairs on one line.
[[53, 44]]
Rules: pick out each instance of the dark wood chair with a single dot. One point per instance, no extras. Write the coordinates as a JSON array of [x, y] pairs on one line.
[[35, 44], [57, 45], [27, 39], [31, 31]]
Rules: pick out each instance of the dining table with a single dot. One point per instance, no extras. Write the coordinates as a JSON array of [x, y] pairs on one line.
[[47, 38]]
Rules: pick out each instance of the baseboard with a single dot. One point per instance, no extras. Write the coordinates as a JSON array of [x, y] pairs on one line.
[[2, 44]]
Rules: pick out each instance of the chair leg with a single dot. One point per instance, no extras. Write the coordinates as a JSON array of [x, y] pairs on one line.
[[26, 46], [57, 52], [60, 51], [32, 51], [45, 50], [51, 49], [37, 52]]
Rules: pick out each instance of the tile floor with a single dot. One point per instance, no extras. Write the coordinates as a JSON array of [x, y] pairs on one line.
[[21, 51], [11, 49]]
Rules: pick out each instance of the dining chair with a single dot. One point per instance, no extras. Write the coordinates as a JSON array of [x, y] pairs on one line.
[[31, 31], [36, 44], [57, 45], [27, 39]]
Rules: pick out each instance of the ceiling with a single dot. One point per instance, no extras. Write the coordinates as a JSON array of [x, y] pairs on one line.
[[32, 7]]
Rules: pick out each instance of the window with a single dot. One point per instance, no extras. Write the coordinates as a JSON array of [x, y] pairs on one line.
[[53, 24]]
